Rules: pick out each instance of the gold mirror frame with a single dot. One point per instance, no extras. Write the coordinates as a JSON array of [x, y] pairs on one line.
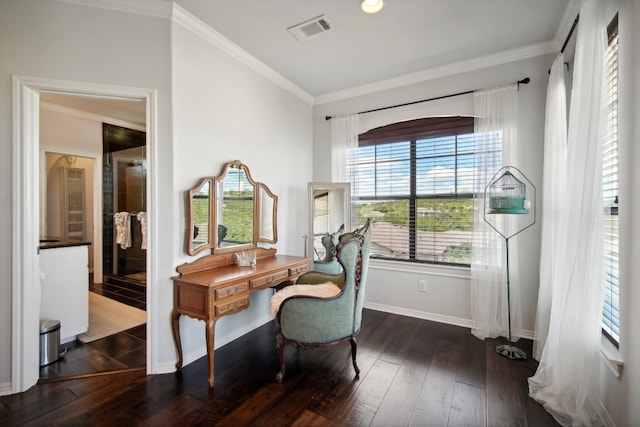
[[234, 193], [268, 211], [263, 217], [200, 217]]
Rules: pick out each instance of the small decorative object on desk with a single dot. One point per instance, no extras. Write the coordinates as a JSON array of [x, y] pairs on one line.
[[246, 258]]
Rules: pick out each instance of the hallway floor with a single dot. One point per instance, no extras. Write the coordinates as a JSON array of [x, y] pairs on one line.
[[123, 351]]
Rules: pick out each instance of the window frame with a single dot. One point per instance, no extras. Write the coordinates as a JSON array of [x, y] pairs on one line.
[[412, 132], [611, 263]]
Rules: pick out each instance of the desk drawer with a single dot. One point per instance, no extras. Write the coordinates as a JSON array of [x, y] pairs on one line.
[[270, 279], [229, 291], [232, 306], [296, 271]]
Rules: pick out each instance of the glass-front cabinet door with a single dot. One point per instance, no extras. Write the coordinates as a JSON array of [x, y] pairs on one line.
[[74, 215]]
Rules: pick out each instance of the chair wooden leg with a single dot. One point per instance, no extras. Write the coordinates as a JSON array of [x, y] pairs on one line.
[[354, 350], [280, 347]]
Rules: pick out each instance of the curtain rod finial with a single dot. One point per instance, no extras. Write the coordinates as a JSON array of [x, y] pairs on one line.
[[327, 117]]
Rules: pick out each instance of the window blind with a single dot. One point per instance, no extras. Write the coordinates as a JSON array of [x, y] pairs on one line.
[[415, 180], [610, 317]]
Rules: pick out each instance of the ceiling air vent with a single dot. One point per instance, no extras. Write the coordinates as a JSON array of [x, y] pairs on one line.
[[310, 28]]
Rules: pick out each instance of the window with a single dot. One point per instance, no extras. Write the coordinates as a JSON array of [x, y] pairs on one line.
[[415, 180], [610, 316]]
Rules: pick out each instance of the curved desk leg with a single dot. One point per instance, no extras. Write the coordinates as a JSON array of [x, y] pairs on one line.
[[175, 327], [210, 330]]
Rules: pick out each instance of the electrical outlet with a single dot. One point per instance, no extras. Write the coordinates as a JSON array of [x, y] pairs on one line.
[[422, 285]]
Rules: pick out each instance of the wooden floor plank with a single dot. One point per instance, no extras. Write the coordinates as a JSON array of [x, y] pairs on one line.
[[434, 399], [468, 406], [361, 407], [504, 406]]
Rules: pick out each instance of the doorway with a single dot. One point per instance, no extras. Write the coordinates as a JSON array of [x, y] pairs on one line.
[[119, 185], [25, 212]]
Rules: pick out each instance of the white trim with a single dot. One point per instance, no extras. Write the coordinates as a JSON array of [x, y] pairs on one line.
[[440, 318], [91, 116], [447, 70], [153, 8], [5, 389], [25, 347], [25, 216], [611, 357], [220, 341], [422, 269], [204, 31]]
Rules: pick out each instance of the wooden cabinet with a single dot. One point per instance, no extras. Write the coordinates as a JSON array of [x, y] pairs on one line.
[[214, 286], [73, 215]]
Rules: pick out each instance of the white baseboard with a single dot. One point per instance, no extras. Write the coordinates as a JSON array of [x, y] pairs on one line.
[[450, 320], [5, 389], [220, 340]]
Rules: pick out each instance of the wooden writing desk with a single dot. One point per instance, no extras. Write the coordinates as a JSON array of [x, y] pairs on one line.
[[214, 286]]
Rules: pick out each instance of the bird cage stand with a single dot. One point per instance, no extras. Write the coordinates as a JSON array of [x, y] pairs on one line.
[[506, 194]]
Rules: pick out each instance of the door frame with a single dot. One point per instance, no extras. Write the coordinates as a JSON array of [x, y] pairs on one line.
[[25, 269]]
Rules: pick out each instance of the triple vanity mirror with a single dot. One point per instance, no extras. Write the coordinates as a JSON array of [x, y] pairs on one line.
[[230, 212], [329, 208]]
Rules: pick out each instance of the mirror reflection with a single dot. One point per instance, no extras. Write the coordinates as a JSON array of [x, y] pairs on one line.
[[329, 209], [235, 193], [230, 212], [268, 213], [200, 217]]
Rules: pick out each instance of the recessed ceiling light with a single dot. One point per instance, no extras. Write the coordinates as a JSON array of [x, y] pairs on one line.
[[371, 6]]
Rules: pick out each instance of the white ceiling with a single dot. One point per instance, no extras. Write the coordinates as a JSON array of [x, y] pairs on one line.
[[360, 50], [406, 36]]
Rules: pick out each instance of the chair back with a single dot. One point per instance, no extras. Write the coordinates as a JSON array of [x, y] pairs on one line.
[[353, 254]]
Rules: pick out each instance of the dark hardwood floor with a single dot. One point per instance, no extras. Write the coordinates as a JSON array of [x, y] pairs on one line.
[[125, 350], [413, 372]]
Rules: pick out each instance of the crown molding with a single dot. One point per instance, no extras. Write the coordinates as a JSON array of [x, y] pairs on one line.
[[154, 8], [447, 70], [170, 10], [201, 29]]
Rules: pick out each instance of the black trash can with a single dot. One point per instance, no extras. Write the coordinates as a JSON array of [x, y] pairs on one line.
[[49, 341]]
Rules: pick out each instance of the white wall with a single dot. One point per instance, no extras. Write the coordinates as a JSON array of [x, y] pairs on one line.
[[224, 111], [64, 41], [394, 286], [64, 133]]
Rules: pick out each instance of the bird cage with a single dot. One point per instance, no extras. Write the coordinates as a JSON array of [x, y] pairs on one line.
[[507, 195]]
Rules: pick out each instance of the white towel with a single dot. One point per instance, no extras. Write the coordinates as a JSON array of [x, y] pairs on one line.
[[142, 217], [122, 222]]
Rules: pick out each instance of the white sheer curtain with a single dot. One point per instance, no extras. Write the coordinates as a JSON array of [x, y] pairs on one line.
[[554, 184], [566, 381], [344, 139], [496, 112]]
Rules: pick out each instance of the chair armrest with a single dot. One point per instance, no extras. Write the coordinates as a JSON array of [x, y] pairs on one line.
[[330, 267]]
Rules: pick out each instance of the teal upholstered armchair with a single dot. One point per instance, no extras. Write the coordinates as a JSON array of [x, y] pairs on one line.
[[303, 320], [329, 264]]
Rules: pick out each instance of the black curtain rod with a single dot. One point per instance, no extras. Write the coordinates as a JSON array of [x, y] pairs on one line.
[[524, 81], [573, 27], [566, 40]]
